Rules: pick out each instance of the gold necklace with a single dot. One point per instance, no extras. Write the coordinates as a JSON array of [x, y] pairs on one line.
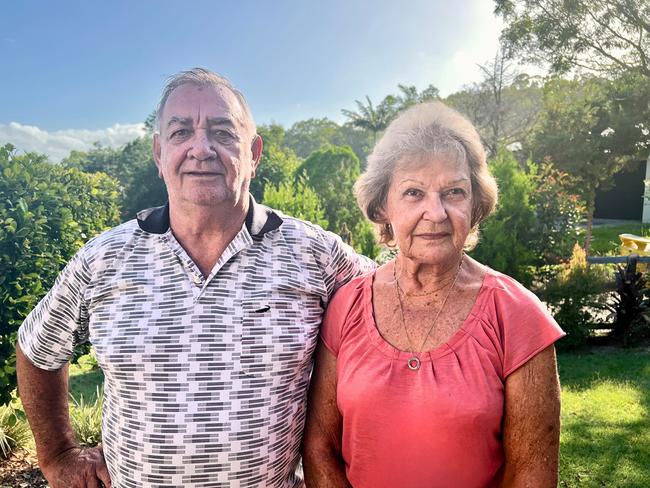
[[418, 294], [413, 362]]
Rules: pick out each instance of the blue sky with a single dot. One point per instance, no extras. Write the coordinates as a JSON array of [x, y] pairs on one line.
[[74, 72]]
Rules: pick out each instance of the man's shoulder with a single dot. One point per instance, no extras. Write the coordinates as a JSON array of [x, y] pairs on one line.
[[304, 228], [113, 239]]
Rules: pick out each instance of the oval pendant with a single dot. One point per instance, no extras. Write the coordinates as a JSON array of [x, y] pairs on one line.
[[413, 363]]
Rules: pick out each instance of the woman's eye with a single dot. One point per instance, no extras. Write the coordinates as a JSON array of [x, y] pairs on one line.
[[456, 192], [412, 192]]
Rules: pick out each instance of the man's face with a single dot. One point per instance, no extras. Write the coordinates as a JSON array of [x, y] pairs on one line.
[[206, 151]]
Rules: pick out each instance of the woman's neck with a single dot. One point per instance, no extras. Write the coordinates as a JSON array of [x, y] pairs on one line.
[[416, 278]]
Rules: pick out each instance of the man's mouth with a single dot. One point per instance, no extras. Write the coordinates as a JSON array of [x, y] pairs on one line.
[[203, 173]]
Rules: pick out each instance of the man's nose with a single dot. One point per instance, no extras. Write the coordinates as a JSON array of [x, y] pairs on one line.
[[434, 208], [202, 147]]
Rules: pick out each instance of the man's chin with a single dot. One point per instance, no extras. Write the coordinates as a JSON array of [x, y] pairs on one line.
[[203, 198]]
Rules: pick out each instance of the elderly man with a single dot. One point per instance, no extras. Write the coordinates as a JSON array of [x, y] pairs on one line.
[[203, 315]]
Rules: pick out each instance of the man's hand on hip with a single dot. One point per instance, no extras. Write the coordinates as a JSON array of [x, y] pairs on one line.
[[78, 468]]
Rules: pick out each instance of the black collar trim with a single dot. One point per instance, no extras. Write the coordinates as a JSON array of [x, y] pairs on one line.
[[260, 219]]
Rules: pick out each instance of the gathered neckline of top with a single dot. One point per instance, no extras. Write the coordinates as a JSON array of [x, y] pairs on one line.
[[447, 347]]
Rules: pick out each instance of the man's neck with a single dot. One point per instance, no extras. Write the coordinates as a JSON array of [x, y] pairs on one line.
[[204, 231]]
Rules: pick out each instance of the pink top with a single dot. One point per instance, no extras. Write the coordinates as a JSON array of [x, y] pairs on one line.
[[439, 426]]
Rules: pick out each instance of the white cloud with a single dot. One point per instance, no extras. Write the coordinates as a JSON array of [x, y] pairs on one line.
[[58, 144]]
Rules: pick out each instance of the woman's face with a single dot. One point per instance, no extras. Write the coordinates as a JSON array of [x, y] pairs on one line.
[[429, 206]]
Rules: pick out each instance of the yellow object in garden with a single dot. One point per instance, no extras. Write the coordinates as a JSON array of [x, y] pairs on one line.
[[631, 244]]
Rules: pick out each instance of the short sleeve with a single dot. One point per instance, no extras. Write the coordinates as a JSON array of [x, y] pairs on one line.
[[49, 333], [336, 316], [345, 264], [527, 327]]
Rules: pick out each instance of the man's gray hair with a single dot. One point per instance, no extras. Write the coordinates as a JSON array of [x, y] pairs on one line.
[[426, 130], [201, 77]]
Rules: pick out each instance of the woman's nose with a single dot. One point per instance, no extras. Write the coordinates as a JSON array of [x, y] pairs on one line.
[[435, 209]]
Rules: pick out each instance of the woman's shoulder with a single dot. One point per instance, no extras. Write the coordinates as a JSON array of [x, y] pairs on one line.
[[505, 291]]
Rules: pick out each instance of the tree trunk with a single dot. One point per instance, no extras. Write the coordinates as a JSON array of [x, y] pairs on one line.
[[591, 207]]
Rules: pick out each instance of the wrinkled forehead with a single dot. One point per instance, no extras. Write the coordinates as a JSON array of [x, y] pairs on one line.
[[452, 156], [196, 102]]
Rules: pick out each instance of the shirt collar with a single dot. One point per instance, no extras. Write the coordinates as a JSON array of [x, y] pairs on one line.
[[260, 219]]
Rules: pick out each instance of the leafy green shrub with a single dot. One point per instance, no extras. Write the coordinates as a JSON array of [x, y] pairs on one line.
[[536, 223], [132, 165], [559, 212], [297, 200], [14, 431], [575, 297], [46, 213], [506, 236], [276, 167], [89, 361], [86, 419], [631, 306], [331, 173]]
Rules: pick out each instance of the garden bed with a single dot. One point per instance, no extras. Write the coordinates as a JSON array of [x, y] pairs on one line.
[[21, 471]]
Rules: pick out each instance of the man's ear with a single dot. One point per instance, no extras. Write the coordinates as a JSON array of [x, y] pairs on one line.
[[256, 151], [156, 149]]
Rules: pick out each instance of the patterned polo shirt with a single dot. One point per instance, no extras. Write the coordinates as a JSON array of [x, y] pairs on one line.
[[205, 377]]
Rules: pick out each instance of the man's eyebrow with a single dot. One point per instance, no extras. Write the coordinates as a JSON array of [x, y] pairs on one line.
[[221, 121], [179, 120]]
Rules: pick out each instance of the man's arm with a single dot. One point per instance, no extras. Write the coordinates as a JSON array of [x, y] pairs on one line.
[[531, 428], [346, 264], [321, 446], [44, 395]]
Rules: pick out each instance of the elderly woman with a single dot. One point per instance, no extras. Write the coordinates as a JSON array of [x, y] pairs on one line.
[[434, 370]]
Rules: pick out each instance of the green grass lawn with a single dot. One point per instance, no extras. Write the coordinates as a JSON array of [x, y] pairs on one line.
[[605, 438], [84, 381], [605, 237]]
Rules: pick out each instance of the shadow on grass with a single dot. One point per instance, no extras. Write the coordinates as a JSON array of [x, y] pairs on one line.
[[597, 452], [583, 370], [86, 384]]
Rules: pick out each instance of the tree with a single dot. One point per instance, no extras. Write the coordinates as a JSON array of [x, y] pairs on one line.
[[307, 136], [296, 199], [132, 165], [592, 128], [142, 187], [506, 236], [373, 118], [409, 95], [602, 36], [276, 167], [47, 212], [503, 106], [331, 173]]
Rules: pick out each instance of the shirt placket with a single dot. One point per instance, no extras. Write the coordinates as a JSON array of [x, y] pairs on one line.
[[199, 284]]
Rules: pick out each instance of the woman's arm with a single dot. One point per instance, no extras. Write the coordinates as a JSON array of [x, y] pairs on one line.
[[321, 445], [531, 429]]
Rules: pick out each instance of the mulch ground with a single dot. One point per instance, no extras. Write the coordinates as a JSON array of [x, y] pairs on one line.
[[20, 470]]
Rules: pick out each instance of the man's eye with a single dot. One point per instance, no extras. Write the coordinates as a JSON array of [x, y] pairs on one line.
[[223, 135], [178, 133]]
